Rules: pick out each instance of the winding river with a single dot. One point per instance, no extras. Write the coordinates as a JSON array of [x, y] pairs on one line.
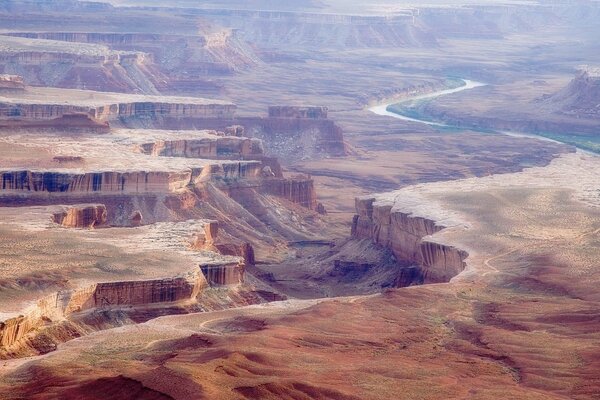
[[381, 109]]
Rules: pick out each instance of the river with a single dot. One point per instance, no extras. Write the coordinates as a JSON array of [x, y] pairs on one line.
[[381, 109]]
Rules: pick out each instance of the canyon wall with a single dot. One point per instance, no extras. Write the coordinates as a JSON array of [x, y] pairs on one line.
[[224, 274], [63, 305], [287, 138], [298, 112], [404, 235], [91, 216], [94, 182], [223, 243], [298, 190], [215, 52], [126, 112], [281, 29], [211, 148]]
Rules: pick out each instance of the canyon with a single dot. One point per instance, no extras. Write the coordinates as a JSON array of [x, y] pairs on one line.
[[299, 200]]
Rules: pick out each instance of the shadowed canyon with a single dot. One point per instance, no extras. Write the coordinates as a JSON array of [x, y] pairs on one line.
[[318, 199]]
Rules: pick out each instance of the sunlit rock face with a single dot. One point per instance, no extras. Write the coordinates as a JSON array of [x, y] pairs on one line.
[[405, 235], [92, 216]]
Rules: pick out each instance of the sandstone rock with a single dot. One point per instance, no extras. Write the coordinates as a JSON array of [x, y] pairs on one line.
[[299, 190], [581, 96], [298, 112], [225, 274], [234, 130], [223, 243], [136, 218], [94, 182], [68, 159], [61, 305], [90, 217], [403, 234], [219, 148], [11, 82], [211, 231]]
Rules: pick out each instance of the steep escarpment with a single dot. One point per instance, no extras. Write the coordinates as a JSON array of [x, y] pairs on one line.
[[299, 190], [20, 331], [211, 148], [78, 66], [290, 133], [94, 182], [36, 106], [224, 274], [211, 52], [90, 216], [427, 261], [223, 243], [270, 29]]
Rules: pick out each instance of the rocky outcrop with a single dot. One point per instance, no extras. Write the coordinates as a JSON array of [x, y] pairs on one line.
[[223, 243], [136, 218], [210, 148], [224, 274], [215, 52], [63, 305], [297, 112], [405, 235], [95, 182], [11, 82], [581, 97], [125, 112], [92, 216], [66, 122], [299, 190], [300, 132], [138, 293]]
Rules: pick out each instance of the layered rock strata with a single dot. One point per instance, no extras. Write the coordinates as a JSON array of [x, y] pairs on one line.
[[210, 148], [406, 235], [66, 304], [123, 182], [224, 274], [223, 243], [299, 190], [92, 216], [32, 105]]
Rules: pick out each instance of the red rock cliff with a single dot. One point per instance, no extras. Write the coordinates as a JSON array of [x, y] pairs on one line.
[[404, 234]]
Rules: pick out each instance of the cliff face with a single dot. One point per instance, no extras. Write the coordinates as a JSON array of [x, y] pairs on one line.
[[64, 305], [216, 52], [83, 216], [225, 274], [223, 243], [102, 69], [276, 29], [211, 148], [99, 182], [289, 138], [126, 113], [297, 112], [404, 235], [297, 190]]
